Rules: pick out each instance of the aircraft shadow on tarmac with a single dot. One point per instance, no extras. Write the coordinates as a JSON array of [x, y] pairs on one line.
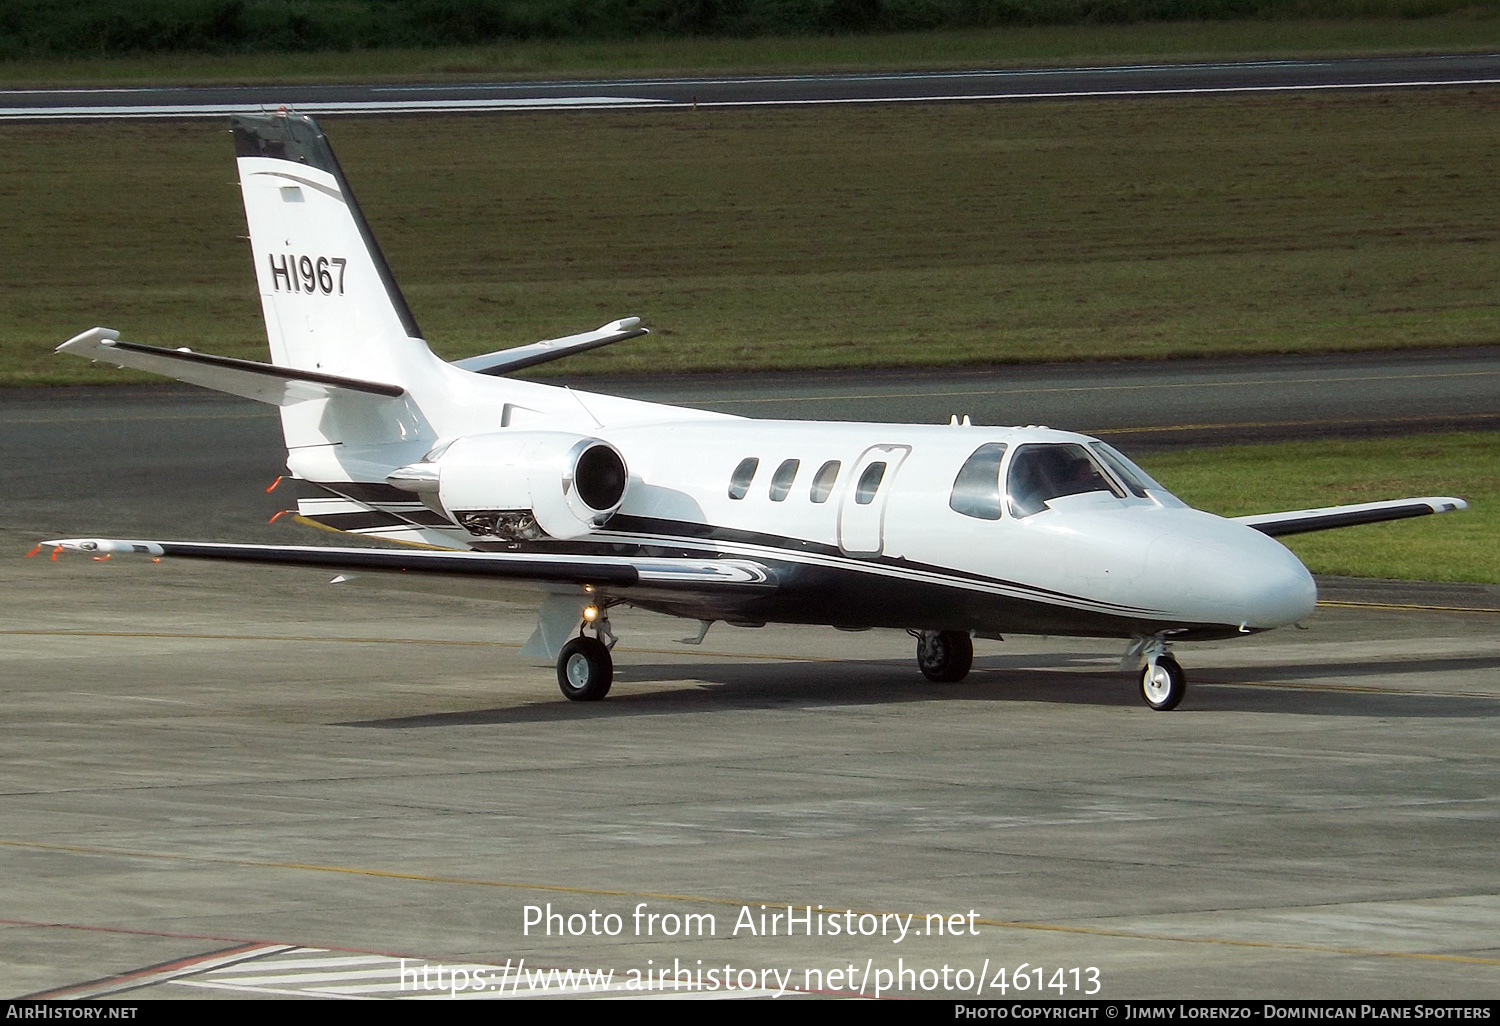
[[722, 686]]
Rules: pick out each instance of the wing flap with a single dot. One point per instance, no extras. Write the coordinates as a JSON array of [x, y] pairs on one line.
[[278, 386], [1326, 518]]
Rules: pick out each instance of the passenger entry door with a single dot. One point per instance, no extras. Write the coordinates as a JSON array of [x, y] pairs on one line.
[[866, 493]]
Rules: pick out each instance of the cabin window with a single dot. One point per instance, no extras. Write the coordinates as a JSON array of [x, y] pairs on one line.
[[976, 489], [1040, 473], [1136, 479], [781, 481], [822, 486], [739, 483], [869, 484]]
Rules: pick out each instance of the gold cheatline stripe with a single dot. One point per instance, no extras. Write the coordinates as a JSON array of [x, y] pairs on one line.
[[1007, 924]]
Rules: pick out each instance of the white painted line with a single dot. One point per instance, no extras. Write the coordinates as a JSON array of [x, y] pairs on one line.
[[319, 972], [276, 965], [163, 974], [258, 990], [204, 110], [1106, 93]]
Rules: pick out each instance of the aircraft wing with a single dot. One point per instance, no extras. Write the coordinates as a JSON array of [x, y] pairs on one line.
[[1300, 521], [689, 575], [279, 386]]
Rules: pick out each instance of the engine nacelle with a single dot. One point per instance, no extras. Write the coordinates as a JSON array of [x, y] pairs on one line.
[[522, 485]]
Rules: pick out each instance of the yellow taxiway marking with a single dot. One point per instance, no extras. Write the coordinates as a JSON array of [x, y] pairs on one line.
[[1006, 924], [1412, 606], [1054, 389], [1363, 689]]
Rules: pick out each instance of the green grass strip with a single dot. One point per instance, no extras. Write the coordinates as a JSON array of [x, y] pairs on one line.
[[1472, 30], [805, 238], [1464, 546]]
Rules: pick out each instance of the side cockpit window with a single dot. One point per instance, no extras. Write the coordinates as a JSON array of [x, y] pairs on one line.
[[1042, 472], [739, 481], [976, 490]]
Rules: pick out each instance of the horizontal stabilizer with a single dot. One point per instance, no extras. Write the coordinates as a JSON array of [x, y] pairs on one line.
[[541, 568], [1300, 521], [507, 360], [279, 386]]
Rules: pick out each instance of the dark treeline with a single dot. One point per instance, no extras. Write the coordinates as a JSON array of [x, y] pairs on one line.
[[43, 27]]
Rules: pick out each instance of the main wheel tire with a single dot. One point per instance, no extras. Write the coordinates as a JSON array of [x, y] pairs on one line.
[[584, 670], [945, 656], [1163, 684]]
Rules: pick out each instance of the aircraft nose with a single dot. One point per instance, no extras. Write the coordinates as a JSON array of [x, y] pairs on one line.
[[1279, 591], [1232, 574]]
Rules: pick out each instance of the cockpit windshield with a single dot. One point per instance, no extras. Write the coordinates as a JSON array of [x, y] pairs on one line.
[[1136, 479], [1042, 472]]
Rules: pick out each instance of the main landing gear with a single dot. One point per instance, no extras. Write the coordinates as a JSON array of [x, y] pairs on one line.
[[944, 657], [585, 669]]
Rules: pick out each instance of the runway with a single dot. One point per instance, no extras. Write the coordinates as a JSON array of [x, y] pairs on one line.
[[1122, 82], [236, 781]]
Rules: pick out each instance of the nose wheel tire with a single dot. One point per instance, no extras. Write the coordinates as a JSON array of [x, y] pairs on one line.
[[944, 657], [1163, 683], [585, 670]]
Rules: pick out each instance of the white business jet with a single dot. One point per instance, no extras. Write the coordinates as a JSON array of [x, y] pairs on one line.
[[592, 502]]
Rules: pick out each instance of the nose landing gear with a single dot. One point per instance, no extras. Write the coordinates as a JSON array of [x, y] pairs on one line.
[[1163, 682]]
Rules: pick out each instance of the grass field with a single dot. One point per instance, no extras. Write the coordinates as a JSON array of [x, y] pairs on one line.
[[1465, 546], [808, 238], [1186, 40]]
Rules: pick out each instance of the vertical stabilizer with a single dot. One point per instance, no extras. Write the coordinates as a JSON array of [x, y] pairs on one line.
[[330, 301]]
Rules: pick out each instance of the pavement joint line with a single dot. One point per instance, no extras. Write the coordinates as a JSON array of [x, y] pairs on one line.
[[395, 641], [1004, 924]]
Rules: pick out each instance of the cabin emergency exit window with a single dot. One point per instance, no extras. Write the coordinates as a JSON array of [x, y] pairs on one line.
[[869, 484], [739, 481], [822, 486], [1041, 473], [976, 489], [781, 481]]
